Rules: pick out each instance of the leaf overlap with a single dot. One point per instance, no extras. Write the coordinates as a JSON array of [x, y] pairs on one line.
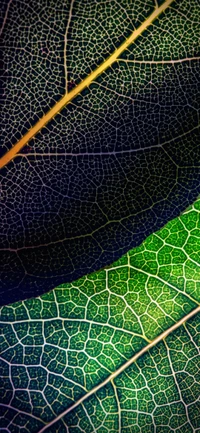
[[120, 160], [116, 350]]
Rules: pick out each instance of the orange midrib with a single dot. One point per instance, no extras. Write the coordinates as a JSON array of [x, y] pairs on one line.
[[12, 153]]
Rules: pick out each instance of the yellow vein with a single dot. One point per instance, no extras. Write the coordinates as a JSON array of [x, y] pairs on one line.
[[12, 153], [124, 366]]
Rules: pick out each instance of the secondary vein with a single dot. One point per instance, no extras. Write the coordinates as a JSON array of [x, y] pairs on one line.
[[13, 152], [123, 367]]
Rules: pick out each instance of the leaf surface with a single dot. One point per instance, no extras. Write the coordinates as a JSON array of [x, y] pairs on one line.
[[120, 159], [117, 350], [69, 96]]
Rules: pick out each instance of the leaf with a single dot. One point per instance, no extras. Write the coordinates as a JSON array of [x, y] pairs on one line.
[[114, 351], [68, 97], [120, 159]]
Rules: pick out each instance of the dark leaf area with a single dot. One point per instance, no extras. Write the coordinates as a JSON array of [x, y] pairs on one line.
[[119, 161]]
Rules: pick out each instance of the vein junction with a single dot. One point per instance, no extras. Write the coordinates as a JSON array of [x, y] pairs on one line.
[[68, 97]]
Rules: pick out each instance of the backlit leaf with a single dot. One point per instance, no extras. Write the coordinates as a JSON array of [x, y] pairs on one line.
[[115, 351]]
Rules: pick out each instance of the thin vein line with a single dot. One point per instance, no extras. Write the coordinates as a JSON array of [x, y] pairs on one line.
[[62, 319], [5, 17], [161, 62], [120, 152], [19, 411], [12, 153], [123, 367], [65, 46], [118, 406]]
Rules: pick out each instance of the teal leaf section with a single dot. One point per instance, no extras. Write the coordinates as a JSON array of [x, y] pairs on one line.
[[116, 351]]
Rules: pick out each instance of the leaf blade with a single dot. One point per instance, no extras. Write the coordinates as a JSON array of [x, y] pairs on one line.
[[123, 367], [78, 339], [118, 162], [68, 97]]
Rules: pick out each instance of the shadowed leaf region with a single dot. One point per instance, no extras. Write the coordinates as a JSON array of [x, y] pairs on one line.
[[117, 156]]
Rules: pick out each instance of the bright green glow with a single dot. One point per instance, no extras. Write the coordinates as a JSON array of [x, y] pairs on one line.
[[58, 347]]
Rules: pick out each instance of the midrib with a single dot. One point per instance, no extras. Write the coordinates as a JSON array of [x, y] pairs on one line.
[[123, 367], [12, 153]]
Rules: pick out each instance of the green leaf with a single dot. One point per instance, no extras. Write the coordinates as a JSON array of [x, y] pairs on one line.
[[115, 351]]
